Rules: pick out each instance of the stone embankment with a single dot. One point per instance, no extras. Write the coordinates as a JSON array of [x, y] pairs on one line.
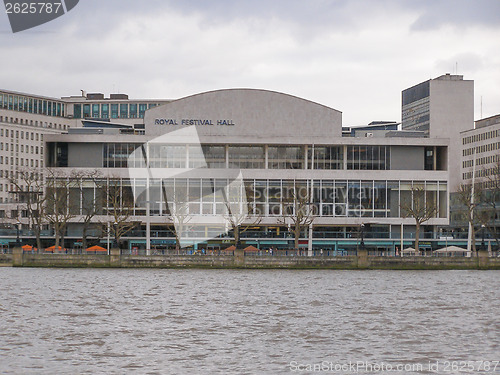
[[362, 261]]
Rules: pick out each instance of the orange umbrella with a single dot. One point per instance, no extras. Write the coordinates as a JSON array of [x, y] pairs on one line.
[[96, 248], [251, 249], [52, 248], [27, 247]]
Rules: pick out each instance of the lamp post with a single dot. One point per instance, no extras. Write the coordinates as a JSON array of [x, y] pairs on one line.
[[18, 226], [115, 228], [362, 236], [483, 247]]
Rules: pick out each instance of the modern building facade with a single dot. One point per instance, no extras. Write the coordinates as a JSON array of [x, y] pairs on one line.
[[239, 151], [481, 168], [250, 149], [25, 119], [441, 108], [481, 152]]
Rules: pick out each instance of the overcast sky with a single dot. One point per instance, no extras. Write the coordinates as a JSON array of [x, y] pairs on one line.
[[355, 56]]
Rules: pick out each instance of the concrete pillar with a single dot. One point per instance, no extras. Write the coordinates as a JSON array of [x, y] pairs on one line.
[[17, 256], [239, 257], [114, 257], [363, 258], [483, 258]]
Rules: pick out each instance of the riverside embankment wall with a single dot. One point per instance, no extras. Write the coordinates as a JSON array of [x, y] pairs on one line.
[[239, 260]]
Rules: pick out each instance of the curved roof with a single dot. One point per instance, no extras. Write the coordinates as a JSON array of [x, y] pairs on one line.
[[245, 112]]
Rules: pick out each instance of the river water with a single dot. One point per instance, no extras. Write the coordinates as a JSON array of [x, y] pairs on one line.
[[144, 321]]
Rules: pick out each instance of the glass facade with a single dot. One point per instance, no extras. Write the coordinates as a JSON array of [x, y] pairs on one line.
[[28, 104], [116, 155], [285, 157], [368, 157], [326, 157], [246, 157], [268, 197], [260, 157]]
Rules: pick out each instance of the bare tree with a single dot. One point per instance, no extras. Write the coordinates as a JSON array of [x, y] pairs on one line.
[[91, 204], [177, 211], [419, 209], [120, 209], [297, 210], [468, 198], [237, 214], [29, 187], [58, 205], [489, 212]]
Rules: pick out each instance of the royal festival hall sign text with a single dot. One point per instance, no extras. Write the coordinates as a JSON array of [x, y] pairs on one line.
[[188, 122]]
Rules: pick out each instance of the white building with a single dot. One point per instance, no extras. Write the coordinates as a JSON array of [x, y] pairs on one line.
[[272, 142]]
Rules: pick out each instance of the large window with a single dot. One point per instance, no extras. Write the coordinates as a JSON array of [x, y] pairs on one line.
[[246, 157], [368, 157], [77, 110], [114, 110], [326, 157], [119, 155], [133, 111], [123, 110], [105, 110], [95, 110], [167, 156], [207, 156], [285, 157], [86, 110]]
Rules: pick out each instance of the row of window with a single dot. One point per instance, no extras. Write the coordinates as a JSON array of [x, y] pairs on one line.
[[480, 137], [134, 155], [43, 124], [328, 198], [481, 161], [112, 110], [479, 149], [486, 172], [34, 149], [29, 135], [32, 105], [21, 162]]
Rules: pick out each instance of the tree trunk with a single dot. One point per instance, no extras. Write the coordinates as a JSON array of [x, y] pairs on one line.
[[62, 236], [56, 245], [38, 237], [84, 236], [236, 231], [417, 237], [473, 240], [297, 236]]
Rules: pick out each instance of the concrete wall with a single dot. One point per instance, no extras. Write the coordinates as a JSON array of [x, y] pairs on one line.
[[250, 112], [362, 261], [452, 112], [407, 158], [85, 155]]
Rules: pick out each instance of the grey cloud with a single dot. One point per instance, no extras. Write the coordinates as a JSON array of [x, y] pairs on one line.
[[459, 13]]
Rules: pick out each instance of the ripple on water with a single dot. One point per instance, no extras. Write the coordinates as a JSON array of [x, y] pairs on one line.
[[235, 321]]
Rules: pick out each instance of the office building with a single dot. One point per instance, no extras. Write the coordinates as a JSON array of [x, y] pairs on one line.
[[441, 108]]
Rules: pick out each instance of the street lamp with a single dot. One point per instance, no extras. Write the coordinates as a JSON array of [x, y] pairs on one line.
[[362, 236], [18, 227], [483, 247], [115, 228]]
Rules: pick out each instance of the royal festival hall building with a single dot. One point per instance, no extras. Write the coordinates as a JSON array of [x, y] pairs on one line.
[[241, 152]]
